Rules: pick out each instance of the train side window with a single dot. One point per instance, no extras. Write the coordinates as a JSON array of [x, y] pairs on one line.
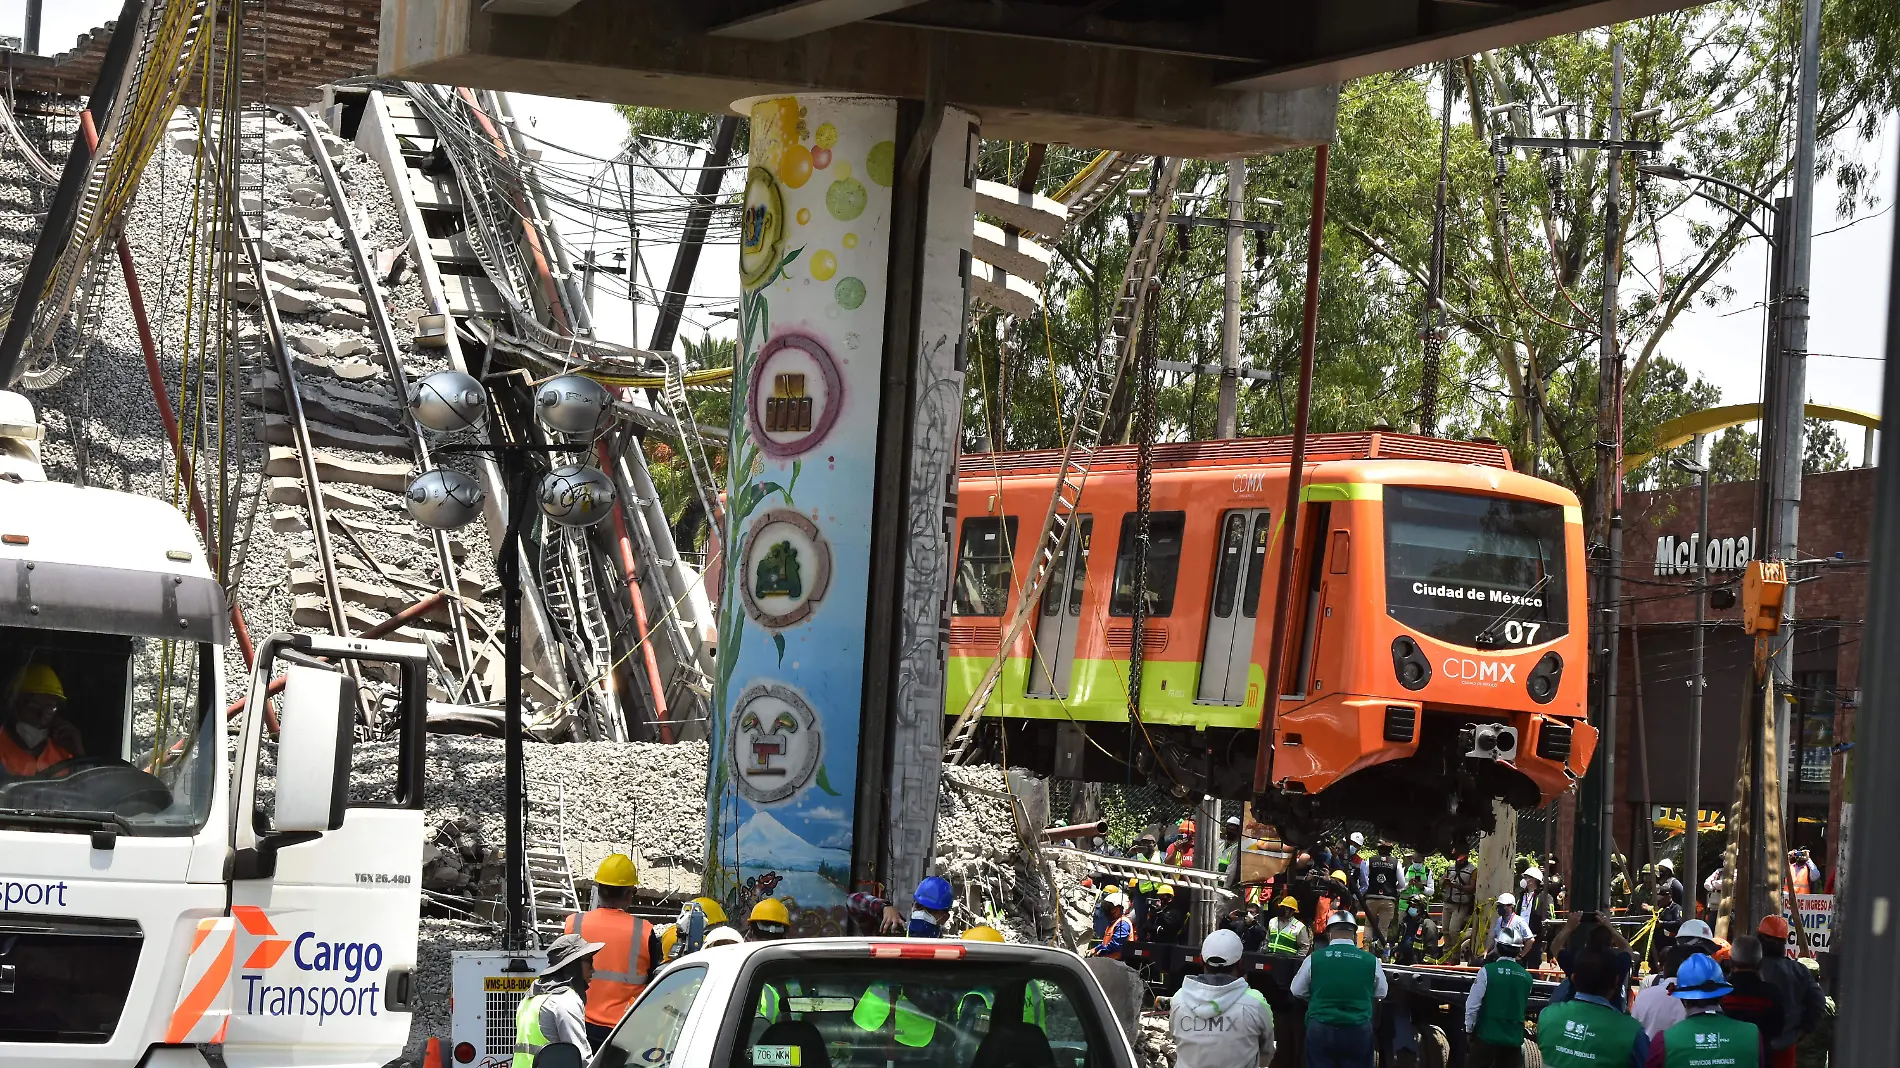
[[1257, 563], [1164, 564], [983, 566]]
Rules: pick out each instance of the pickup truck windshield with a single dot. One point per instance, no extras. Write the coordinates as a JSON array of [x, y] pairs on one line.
[[106, 731], [923, 1014]]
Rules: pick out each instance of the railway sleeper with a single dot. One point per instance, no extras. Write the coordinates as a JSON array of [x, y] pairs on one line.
[[302, 556], [344, 407], [393, 478], [312, 611], [386, 599], [293, 520], [277, 432], [289, 490]]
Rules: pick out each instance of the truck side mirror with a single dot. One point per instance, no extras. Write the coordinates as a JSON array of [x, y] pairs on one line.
[[558, 1055], [317, 728]]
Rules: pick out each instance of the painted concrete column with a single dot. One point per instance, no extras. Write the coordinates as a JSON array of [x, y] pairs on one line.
[[806, 695]]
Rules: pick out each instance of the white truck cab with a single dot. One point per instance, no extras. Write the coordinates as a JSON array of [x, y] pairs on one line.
[[871, 1003], [171, 894]]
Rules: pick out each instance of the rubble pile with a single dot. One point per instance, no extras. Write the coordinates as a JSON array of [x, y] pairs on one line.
[[1154, 1045]]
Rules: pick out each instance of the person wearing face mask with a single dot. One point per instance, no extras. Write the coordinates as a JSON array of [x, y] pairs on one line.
[[34, 735]]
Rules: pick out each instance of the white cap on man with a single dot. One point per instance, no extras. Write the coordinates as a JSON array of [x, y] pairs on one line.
[[1509, 901], [1222, 948]]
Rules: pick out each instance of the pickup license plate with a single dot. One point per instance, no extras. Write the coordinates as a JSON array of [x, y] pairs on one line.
[[775, 1056]]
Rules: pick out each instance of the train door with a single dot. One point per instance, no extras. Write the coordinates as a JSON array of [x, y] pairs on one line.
[[1244, 534], [1060, 619]]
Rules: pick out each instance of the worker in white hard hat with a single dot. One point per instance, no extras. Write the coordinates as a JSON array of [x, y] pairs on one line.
[[1508, 919], [1537, 906], [1217, 1020], [1340, 983], [1495, 1007], [630, 946]]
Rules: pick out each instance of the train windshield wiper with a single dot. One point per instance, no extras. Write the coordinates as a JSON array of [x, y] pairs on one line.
[[1488, 637]]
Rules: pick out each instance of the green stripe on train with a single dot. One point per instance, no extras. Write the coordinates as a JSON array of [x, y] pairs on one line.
[[1098, 693]]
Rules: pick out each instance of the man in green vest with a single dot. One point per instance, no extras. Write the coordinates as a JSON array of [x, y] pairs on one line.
[[555, 1009], [1588, 1031], [1494, 1010], [1705, 1036], [1340, 983], [1285, 932]]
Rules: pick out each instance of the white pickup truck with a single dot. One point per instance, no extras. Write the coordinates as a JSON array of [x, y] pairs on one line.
[[868, 1003]]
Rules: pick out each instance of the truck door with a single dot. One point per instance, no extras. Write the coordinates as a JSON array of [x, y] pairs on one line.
[[1241, 559], [1059, 618], [327, 870]]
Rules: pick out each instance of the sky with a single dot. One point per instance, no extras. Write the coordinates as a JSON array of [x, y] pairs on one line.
[[1852, 258]]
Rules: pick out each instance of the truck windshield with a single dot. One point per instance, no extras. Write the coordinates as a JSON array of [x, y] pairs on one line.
[[925, 1014], [1482, 572], [102, 731]]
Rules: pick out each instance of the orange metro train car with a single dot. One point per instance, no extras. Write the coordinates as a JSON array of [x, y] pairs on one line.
[[1437, 648]]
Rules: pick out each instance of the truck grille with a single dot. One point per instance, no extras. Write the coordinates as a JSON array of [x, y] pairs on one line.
[[64, 979]]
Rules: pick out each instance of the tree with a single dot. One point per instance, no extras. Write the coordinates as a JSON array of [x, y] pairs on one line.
[[1735, 457], [1824, 451]]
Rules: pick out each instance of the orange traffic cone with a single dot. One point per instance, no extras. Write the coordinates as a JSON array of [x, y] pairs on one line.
[[432, 1054]]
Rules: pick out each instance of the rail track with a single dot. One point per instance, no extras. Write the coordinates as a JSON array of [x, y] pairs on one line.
[[333, 471]]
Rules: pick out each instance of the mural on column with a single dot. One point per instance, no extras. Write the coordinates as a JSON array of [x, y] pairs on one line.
[[813, 258]]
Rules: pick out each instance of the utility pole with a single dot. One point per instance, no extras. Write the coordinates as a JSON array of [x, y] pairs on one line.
[[693, 235], [32, 34], [1609, 502], [1692, 804], [1433, 322], [1791, 381], [1227, 421], [1596, 801]]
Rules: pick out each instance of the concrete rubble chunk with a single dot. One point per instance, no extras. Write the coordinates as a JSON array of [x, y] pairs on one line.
[[342, 320], [352, 305], [309, 346], [313, 212], [339, 291], [296, 301], [308, 194]]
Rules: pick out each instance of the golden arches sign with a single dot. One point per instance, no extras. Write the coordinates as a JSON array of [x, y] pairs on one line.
[[1683, 429]]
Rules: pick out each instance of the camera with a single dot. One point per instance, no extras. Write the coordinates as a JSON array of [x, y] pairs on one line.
[[1489, 741]]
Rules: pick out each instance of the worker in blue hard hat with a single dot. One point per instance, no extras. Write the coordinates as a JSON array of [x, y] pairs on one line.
[[1705, 1035], [871, 914]]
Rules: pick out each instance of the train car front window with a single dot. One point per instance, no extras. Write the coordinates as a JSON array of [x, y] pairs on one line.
[[1482, 572]]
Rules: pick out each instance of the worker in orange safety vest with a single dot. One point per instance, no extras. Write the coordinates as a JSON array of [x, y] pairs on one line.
[[34, 735], [632, 946]]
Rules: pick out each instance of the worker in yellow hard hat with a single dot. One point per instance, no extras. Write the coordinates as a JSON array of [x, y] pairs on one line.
[[34, 735], [631, 946], [982, 932], [1285, 932], [769, 921]]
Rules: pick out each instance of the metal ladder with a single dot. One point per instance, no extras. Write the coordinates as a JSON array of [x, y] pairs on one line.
[[1078, 456], [573, 604], [674, 394], [551, 895], [1089, 189]]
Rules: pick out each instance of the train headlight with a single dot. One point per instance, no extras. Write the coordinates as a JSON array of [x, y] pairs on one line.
[[1489, 741], [1409, 663], [1542, 684]]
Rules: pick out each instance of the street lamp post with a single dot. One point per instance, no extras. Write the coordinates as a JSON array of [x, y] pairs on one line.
[[1692, 804], [571, 406]]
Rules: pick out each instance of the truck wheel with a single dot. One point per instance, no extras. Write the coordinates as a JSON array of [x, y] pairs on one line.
[[1434, 1047], [1533, 1057]]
